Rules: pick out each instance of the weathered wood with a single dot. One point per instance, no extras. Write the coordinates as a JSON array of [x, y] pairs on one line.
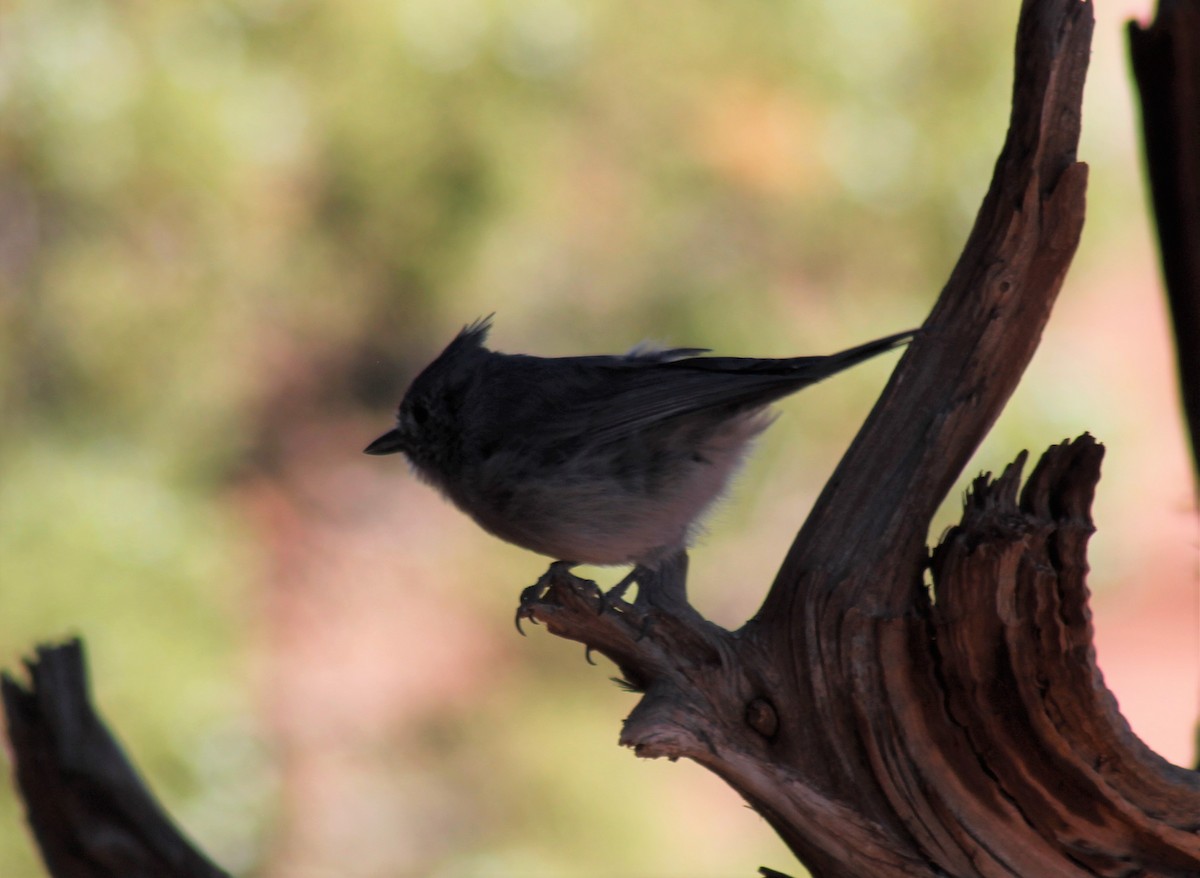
[[995, 748], [883, 733]]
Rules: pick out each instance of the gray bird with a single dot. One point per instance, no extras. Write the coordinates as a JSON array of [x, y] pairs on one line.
[[607, 460]]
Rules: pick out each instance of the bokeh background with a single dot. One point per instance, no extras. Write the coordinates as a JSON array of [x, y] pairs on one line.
[[232, 230]]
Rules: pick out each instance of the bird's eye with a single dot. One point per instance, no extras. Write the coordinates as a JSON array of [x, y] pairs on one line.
[[419, 413]]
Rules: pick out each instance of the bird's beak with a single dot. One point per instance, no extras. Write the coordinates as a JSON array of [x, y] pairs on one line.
[[389, 443]]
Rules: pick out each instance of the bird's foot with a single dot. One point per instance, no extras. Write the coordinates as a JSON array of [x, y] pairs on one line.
[[530, 595], [662, 586], [617, 592], [609, 599]]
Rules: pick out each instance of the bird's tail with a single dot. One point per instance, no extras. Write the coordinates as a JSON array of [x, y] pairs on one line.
[[800, 371], [834, 363]]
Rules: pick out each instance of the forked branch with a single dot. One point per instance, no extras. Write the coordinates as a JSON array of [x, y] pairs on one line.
[[880, 733]]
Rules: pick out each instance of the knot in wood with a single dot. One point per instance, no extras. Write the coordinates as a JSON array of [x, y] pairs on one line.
[[761, 716]]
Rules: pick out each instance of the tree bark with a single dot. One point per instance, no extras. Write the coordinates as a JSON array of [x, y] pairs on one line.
[[880, 732]]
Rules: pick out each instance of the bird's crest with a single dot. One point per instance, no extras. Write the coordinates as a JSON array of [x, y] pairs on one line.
[[473, 335]]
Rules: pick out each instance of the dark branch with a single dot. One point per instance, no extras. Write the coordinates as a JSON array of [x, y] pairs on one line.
[[955, 378], [884, 734], [91, 813], [1166, 64]]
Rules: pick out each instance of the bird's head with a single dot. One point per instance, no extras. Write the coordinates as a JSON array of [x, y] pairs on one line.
[[429, 418]]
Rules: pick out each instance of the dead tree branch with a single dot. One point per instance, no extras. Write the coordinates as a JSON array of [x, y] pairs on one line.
[[1166, 65], [880, 733], [91, 813]]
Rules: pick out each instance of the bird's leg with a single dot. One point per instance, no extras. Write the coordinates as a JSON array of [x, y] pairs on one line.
[[617, 592], [663, 586]]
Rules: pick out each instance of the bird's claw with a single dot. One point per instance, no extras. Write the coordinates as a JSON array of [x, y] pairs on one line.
[[529, 595]]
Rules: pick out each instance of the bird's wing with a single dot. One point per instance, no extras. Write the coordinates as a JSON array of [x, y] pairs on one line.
[[633, 395], [652, 396]]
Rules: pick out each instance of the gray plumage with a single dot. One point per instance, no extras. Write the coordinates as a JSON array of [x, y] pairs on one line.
[[600, 459]]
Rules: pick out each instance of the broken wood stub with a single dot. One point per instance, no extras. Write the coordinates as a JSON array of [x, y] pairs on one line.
[[1014, 658]]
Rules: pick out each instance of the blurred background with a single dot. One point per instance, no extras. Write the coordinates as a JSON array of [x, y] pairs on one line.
[[231, 232]]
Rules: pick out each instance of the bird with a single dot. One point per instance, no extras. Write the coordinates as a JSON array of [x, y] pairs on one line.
[[605, 460]]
